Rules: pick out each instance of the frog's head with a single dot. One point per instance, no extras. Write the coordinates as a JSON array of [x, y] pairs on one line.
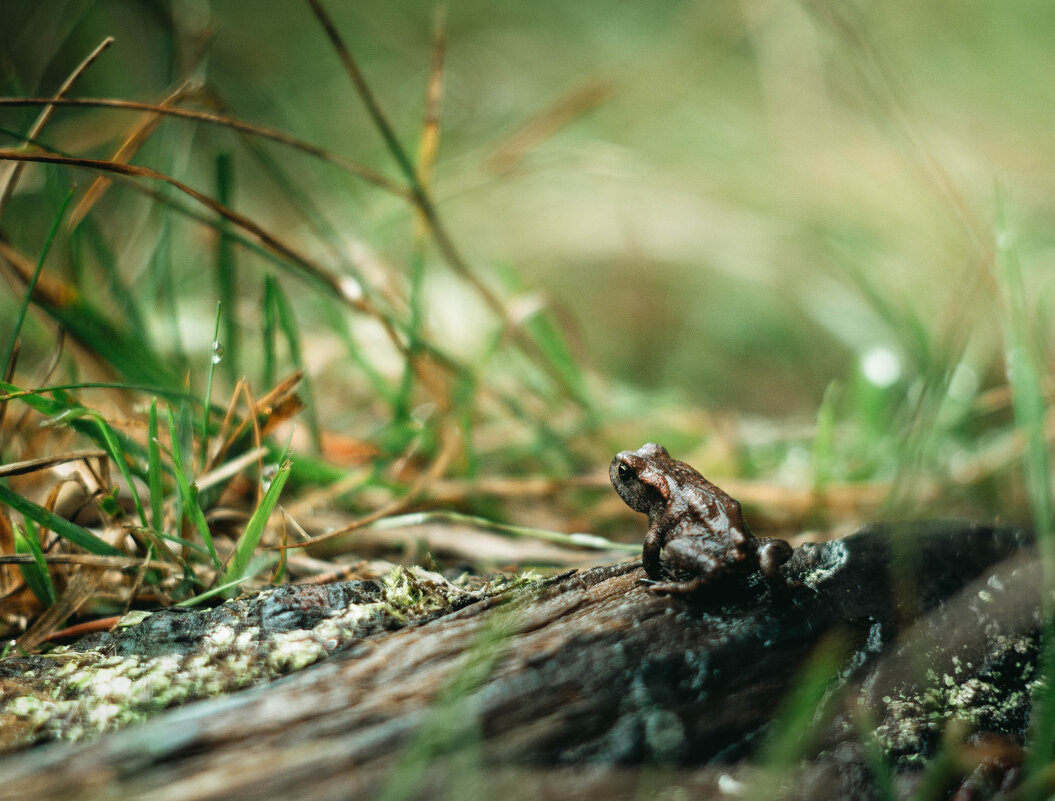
[[640, 478]]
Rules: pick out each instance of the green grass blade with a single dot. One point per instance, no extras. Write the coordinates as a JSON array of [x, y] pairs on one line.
[[161, 272], [212, 592], [47, 519], [798, 720], [183, 543], [157, 498], [450, 733], [335, 317], [111, 445], [128, 300], [103, 435], [824, 439], [573, 540], [288, 324], [49, 407], [415, 329], [9, 352], [882, 774], [62, 391], [270, 331], [1026, 379], [250, 538], [551, 343], [124, 350], [189, 493], [37, 577]]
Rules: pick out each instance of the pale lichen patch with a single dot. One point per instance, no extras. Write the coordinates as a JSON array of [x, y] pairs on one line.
[[154, 661], [994, 698]]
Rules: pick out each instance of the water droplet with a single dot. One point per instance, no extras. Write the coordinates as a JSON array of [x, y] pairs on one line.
[[217, 352], [422, 413], [268, 474], [351, 289], [881, 366]]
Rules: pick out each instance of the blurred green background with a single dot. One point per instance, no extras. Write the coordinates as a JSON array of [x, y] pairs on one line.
[[726, 206]]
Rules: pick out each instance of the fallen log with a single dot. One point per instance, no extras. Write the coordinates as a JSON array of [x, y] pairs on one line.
[[590, 684]]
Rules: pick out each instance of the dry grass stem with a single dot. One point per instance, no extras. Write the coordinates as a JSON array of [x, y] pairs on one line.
[[91, 560], [44, 462], [139, 134], [262, 131]]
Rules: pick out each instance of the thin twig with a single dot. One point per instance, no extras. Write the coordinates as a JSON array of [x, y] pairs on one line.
[[217, 475], [87, 627]]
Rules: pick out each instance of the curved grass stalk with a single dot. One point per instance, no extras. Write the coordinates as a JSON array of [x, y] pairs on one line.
[[368, 175]]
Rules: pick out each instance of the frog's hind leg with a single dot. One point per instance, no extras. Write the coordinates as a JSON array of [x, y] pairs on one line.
[[686, 557], [772, 553]]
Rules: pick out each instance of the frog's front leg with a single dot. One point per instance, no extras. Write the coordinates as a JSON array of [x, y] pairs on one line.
[[650, 553]]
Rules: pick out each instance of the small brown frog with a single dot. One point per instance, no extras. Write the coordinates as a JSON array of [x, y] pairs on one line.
[[696, 533]]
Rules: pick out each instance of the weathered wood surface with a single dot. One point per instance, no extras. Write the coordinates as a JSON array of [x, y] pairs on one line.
[[562, 690]]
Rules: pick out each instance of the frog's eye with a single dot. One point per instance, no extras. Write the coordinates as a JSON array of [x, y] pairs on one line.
[[625, 473]]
